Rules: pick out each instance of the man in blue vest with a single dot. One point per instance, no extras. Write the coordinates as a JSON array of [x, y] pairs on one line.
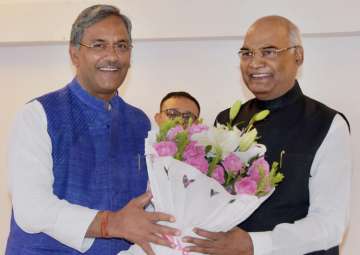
[[77, 170], [308, 212]]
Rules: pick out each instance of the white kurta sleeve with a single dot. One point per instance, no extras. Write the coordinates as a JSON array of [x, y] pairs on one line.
[[36, 208], [328, 216]]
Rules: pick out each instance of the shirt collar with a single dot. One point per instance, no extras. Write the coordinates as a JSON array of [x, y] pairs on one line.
[[90, 100], [288, 98]]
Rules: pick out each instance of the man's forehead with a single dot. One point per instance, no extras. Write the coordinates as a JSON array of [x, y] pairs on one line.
[[107, 26], [266, 34], [180, 103]]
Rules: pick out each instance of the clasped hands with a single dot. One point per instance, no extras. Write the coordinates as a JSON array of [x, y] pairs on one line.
[[136, 225], [234, 242]]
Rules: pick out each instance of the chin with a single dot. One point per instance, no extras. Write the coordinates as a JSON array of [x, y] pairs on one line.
[[258, 87], [110, 85]]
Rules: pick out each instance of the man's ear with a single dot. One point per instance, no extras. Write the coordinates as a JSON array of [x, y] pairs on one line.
[[74, 55], [299, 55], [158, 118]]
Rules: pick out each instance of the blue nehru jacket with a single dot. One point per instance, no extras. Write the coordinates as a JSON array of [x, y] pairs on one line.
[[98, 162]]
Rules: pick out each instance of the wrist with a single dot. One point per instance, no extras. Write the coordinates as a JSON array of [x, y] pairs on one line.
[[104, 222]]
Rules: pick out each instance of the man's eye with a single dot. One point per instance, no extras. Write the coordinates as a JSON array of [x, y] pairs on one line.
[[122, 46], [245, 53], [98, 45], [268, 52], [188, 115]]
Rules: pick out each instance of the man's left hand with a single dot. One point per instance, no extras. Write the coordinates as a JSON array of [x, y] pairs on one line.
[[234, 242]]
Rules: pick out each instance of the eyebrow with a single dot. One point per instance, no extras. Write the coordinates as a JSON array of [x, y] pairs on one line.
[[266, 47], [104, 41], [269, 47]]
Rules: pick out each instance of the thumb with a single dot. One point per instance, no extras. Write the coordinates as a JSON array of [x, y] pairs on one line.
[[143, 199]]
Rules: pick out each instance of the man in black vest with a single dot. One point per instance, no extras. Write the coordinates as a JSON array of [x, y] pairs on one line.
[[308, 212]]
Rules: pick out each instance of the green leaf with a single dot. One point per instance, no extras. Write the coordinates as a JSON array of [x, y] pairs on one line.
[[234, 110], [275, 176], [215, 160], [208, 148], [262, 181], [165, 127], [181, 140]]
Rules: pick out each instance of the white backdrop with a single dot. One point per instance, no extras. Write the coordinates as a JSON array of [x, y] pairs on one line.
[[206, 67]]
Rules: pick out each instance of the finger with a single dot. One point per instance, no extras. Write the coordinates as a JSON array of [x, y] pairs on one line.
[[160, 240], [147, 248], [201, 250], [143, 199], [159, 216], [207, 234], [161, 230], [203, 243]]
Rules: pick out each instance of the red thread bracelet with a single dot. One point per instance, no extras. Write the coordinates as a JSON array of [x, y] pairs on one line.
[[104, 223]]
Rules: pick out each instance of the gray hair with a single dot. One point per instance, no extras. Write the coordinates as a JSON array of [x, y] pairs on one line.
[[92, 15], [294, 34]]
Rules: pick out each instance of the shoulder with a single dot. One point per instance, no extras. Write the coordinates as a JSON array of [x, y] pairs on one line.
[[222, 117], [321, 109], [340, 124], [30, 119], [54, 97], [33, 111], [136, 115]]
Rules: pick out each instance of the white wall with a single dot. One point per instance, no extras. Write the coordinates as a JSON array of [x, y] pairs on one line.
[[207, 68], [175, 18]]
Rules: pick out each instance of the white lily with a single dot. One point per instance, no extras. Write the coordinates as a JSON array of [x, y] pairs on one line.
[[219, 137], [256, 149]]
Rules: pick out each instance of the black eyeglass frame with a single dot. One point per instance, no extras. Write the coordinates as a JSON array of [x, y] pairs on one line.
[[173, 113]]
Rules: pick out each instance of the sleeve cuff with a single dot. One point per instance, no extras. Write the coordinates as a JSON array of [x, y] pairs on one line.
[[71, 227], [262, 242]]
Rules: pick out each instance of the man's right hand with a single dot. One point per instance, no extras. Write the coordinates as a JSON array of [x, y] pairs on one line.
[[136, 225]]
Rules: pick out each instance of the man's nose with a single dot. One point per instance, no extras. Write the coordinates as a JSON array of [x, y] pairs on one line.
[[111, 51], [257, 60]]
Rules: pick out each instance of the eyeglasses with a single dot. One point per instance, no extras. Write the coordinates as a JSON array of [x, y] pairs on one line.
[[99, 47], [174, 113], [267, 52]]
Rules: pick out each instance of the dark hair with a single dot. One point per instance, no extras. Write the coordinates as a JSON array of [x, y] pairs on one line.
[[92, 15], [179, 94]]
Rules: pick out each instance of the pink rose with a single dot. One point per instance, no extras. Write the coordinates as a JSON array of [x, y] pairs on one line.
[[197, 128], [254, 169], [171, 134], [165, 148], [199, 163], [246, 186], [232, 163], [218, 174], [194, 151]]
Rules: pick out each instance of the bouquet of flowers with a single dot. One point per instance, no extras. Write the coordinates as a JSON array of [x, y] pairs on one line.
[[207, 177]]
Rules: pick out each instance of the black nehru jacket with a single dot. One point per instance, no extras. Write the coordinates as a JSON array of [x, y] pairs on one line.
[[297, 125]]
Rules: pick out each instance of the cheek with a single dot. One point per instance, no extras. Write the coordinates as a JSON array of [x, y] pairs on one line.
[[125, 62], [243, 71]]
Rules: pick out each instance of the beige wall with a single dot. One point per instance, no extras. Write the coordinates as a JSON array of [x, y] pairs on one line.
[[206, 67], [175, 18]]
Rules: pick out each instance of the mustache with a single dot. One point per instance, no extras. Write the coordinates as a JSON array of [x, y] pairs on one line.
[[111, 64]]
